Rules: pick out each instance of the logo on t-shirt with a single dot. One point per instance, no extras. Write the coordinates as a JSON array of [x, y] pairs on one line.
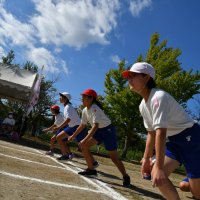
[[156, 103], [188, 138]]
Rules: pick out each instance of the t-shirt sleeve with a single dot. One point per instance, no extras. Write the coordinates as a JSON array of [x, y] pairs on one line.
[[96, 114], [160, 109], [84, 119], [69, 112]]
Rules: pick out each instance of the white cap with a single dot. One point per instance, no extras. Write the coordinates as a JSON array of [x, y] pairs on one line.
[[140, 67], [66, 94]]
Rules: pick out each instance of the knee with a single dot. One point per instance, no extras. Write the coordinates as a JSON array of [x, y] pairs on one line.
[[196, 195], [184, 186], [114, 158], [58, 138]]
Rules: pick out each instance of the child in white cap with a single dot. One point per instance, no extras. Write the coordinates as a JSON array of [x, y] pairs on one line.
[[70, 124], [164, 117]]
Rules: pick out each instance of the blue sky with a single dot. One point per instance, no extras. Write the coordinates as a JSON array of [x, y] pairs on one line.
[[80, 40]]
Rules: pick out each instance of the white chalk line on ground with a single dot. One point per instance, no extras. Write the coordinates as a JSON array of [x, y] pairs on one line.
[[48, 182], [38, 154], [3, 143], [102, 187], [30, 161]]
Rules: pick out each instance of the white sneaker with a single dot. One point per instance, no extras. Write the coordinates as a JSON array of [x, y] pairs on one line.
[[49, 153], [71, 156]]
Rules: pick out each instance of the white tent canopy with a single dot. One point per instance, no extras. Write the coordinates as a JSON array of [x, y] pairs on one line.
[[16, 83]]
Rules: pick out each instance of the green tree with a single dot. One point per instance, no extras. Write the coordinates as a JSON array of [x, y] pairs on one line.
[[40, 114], [9, 58], [122, 105], [170, 76]]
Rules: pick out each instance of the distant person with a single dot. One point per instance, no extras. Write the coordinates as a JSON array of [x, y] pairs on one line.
[[164, 117], [59, 119], [102, 131], [70, 124], [8, 124]]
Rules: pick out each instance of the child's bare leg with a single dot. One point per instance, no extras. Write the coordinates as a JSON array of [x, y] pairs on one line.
[[52, 145], [64, 147], [168, 190], [86, 152], [115, 158], [194, 187]]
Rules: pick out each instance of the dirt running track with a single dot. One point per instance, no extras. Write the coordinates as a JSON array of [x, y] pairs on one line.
[[28, 174]]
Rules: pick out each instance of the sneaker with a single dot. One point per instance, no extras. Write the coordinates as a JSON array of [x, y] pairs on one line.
[[63, 157], [95, 164], [71, 156], [126, 181], [49, 153], [88, 172]]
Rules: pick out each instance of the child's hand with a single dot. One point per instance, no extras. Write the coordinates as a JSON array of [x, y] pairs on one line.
[[158, 177], [82, 143], [55, 130], [70, 138], [146, 167]]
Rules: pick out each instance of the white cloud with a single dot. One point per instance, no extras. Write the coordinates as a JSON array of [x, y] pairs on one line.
[[43, 57], [57, 50], [13, 31], [136, 6], [64, 67], [75, 23], [115, 58], [2, 52]]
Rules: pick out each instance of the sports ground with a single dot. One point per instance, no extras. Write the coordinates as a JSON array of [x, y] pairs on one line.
[[27, 173]]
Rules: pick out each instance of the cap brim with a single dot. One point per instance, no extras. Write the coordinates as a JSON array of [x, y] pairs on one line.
[[125, 74]]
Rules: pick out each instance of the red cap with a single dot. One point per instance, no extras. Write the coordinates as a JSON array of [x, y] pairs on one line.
[[55, 107], [90, 92]]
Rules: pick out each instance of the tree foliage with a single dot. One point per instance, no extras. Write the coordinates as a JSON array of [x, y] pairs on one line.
[[47, 95], [170, 76], [122, 105]]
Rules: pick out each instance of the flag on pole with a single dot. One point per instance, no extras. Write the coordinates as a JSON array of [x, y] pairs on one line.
[[36, 92]]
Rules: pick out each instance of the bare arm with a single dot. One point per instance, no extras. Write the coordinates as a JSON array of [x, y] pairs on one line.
[[160, 147], [159, 176], [146, 165], [50, 128], [92, 131], [78, 130], [65, 123], [149, 145]]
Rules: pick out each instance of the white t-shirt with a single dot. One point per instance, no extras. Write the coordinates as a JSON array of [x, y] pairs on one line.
[[71, 113], [163, 111], [9, 121], [59, 119], [95, 115]]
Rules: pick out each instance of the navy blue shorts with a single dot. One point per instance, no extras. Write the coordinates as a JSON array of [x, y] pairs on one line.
[[107, 136], [186, 180], [70, 130], [185, 148], [60, 130]]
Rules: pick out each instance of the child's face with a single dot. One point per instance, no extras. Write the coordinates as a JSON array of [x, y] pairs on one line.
[[62, 99], [53, 111], [137, 82], [87, 101]]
